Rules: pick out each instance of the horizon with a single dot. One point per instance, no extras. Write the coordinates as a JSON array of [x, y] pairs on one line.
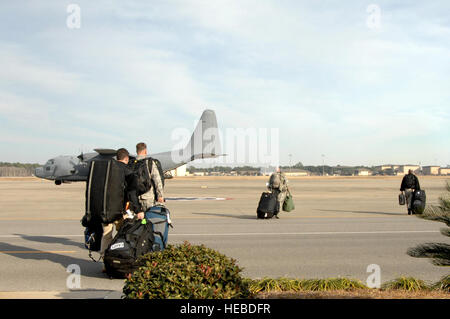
[[284, 166]]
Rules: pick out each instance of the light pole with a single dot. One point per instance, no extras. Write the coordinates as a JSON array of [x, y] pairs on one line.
[[290, 163], [323, 165]]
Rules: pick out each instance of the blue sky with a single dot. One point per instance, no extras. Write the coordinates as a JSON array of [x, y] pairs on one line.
[[137, 70]]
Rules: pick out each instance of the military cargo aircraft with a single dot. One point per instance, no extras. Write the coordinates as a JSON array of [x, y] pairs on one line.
[[204, 143]]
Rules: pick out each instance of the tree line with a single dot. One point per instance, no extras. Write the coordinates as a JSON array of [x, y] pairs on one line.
[[313, 170], [17, 169]]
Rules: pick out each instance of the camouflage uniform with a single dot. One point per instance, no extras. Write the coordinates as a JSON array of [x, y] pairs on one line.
[[278, 185], [148, 199]]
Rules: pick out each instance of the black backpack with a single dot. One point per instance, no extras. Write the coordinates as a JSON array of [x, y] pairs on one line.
[[143, 170], [134, 239]]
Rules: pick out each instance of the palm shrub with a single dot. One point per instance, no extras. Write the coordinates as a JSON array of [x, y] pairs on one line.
[[443, 284], [287, 284], [438, 252], [186, 272], [331, 284], [406, 283]]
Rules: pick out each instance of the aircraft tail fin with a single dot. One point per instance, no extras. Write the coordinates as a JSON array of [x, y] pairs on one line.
[[205, 141]]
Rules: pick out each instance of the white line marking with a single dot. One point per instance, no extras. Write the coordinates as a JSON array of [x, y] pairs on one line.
[[313, 233], [259, 234], [184, 199], [25, 236]]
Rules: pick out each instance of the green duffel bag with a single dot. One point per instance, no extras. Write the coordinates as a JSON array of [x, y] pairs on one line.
[[288, 204]]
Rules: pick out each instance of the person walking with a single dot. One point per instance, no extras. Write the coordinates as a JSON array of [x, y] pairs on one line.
[[278, 185], [410, 183]]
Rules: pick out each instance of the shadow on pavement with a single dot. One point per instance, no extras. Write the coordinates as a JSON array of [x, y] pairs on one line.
[[228, 215], [87, 266], [360, 212], [52, 240], [91, 294]]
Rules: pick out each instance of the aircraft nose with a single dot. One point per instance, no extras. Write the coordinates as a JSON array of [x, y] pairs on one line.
[[39, 171]]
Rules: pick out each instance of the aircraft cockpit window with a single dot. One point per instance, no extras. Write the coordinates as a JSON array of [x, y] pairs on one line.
[[50, 162]]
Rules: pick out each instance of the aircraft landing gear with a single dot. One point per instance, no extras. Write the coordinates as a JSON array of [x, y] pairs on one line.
[[57, 182]]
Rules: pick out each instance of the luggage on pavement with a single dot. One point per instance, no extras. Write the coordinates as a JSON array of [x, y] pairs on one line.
[[93, 234], [288, 204], [267, 205], [401, 199], [418, 201], [105, 192], [134, 239], [159, 217]]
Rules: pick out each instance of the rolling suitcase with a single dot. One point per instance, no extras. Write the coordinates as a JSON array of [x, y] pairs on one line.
[[105, 192], [267, 205], [418, 202], [104, 200]]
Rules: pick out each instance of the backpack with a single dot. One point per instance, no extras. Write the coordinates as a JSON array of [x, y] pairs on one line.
[[143, 170], [134, 239], [275, 180]]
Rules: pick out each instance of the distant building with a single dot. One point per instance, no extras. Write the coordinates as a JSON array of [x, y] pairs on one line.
[[386, 167], [403, 169], [179, 171], [444, 171], [431, 170], [296, 172], [383, 167], [363, 172], [266, 171], [199, 173]]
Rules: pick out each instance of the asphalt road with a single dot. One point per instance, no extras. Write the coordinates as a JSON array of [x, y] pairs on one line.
[[339, 227]]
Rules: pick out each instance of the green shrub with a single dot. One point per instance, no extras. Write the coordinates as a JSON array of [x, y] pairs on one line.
[[186, 271], [330, 284], [273, 285], [439, 253], [286, 284], [443, 284], [406, 283]]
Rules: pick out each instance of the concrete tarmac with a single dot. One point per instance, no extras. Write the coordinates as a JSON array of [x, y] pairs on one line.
[[340, 226]]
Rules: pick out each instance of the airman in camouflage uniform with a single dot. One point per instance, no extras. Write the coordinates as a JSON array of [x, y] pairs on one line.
[[278, 185], [147, 200]]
